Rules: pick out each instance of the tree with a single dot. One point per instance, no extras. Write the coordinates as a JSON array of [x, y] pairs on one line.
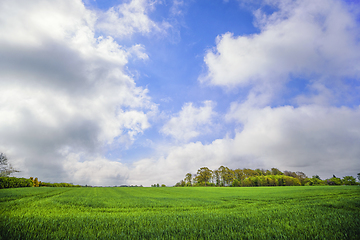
[[334, 181], [302, 177], [229, 176], [188, 178], [239, 174], [249, 172], [276, 171], [260, 172], [268, 172], [290, 174], [5, 167], [216, 176], [203, 175], [358, 176], [222, 172], [236, 183], [349, 180], [36, 182]]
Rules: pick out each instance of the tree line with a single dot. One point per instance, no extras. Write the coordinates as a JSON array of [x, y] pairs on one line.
[[246, 177], [12, 182]]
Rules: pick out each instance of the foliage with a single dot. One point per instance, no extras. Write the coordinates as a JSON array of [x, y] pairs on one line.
[[275, 171], [188, 178], [334, 181], [270, 180], [46, 184], [155, 185], [203, 175], [319, 212], [236, 183], [36, 182], [13, 182], [314, 181], [349, 180], [224, 176]]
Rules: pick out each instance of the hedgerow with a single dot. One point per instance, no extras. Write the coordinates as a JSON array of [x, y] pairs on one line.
[[13, 182]]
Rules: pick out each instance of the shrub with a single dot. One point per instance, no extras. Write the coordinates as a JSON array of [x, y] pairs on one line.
[[334, 181], [13, 182], [349, 180]]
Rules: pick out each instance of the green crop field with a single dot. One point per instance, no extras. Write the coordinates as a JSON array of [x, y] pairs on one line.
[[316, 212]]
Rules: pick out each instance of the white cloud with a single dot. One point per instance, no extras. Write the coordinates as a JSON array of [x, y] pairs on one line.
[[65, 93], [312, 139], [129, 18], [308, 39], [176, 8], [317, 41], [190, 122], [96, 171], [138, 51], [178, 161]]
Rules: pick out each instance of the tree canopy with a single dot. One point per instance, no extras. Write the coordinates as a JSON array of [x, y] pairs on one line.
[[224, 176]]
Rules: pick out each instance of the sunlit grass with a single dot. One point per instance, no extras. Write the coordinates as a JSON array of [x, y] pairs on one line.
[[181, 213]]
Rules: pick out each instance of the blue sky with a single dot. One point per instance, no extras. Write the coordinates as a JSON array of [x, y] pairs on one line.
[[144, 91]]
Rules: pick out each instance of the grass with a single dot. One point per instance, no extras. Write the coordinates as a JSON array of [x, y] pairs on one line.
[[316, 212]]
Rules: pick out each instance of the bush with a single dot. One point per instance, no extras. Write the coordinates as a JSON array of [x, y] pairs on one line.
[[270, 180], [13, 182], [349, 180], [46, 184], [314, 181], [236, 183], [334, 181]]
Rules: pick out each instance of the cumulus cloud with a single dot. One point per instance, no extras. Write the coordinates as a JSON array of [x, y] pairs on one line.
[[65, 95], [190, 122], [97, 171], [128, 18], [314, 40], [64, 92], [312, 139], [317, 41], [178, 161]]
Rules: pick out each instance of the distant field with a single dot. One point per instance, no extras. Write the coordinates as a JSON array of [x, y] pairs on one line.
[[316, 212]]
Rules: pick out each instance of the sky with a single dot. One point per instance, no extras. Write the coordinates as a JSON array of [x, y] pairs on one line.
[[139, 92]]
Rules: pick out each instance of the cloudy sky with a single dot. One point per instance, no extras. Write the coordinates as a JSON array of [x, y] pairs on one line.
[[143, 91]]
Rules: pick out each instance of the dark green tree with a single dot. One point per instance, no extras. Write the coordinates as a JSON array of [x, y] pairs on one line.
[[316, 176], [275, 171], [349, 180]]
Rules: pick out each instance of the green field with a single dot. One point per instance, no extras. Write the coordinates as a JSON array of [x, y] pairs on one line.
[[316, 212]]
